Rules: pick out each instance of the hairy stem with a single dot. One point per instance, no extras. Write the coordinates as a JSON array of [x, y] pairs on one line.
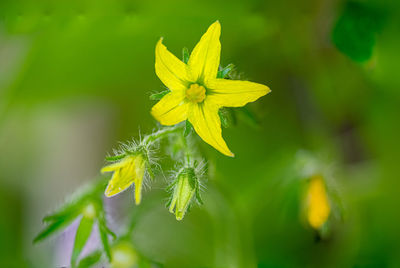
[[160, 134]]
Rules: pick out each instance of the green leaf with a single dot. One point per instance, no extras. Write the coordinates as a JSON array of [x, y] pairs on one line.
[[104, 230], [159, 95], [54, 227], [355, 30], [104, 241], [71, 210], [74, 207], [115, 157], [188, 128], [225, 71], [185, 55], [66, 211], [90, 259], [81, 237]]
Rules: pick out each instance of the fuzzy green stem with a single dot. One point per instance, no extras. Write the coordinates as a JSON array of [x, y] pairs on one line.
[[160, 134], [186, 149]]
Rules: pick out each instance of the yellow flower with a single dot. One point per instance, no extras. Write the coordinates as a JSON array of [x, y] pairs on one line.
[[318, 208], [128, 170], [196, 94]]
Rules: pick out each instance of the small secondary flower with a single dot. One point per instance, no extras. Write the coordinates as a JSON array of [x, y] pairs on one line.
[[196, 94], [127, 171]]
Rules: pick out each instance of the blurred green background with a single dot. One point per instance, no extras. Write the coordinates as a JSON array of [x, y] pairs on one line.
[[75, 78]]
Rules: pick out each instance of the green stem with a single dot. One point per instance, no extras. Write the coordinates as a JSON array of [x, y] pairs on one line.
[[160, 134], [186, 149]]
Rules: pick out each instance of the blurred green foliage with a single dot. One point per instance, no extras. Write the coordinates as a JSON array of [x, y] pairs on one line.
[[355, 31], [76, 76]]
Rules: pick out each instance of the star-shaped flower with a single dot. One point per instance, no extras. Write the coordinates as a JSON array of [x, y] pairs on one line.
[[196, 94]]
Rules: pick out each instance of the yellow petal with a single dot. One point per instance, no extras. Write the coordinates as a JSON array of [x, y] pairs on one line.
[[123, 176], [205, 120], [234, 93], [119, 182], [171, 71], [204, 60], [171, 109], [318, 203], [113, 166]]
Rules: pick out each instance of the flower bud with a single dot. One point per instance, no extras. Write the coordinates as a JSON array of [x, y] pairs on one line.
[[318, 207], [127, 171], [123, 255], [185, 188], [89, 211]]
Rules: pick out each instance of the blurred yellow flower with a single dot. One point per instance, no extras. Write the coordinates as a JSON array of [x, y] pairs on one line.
[[196, 93], [318, 208], [128, 170]]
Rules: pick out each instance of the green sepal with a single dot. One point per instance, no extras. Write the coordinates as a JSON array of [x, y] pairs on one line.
[[90, 259], [149, 170], [115, 157], [82, 235], [188, 128], [248, 116], [224, 72], [159, 95], [170, 188], [227, 117], [171, 185], [169, 201], [185, 55], [198, 196]]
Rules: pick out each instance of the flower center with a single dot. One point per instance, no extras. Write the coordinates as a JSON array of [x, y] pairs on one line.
[[196, 93]]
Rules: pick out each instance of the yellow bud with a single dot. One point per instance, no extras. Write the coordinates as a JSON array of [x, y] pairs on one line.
[[318, 208]]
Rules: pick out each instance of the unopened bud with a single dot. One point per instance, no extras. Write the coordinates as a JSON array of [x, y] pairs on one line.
[[89, 211], [123, 256], [184, 191], [318, 207]]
